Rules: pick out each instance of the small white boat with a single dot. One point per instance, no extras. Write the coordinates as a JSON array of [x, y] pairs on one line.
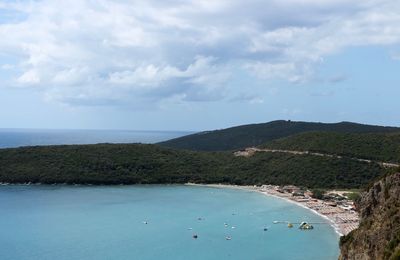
[[228, 238]]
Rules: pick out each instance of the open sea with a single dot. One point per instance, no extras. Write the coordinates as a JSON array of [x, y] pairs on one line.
[[108, 222], [28, 137]]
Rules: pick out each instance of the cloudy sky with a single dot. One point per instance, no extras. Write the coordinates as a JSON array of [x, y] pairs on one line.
[[197, 64]]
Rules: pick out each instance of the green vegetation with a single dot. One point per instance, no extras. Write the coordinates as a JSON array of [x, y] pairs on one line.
[[137, 163], [346, 239], [318, 193], [354, 196], [390, 248], [383, 147], [257, 134]]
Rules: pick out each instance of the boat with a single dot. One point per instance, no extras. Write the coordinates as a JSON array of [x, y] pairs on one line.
[[228, 238], [276, 222], [289, 225], [305, 226], [265, 229], [195, 236]]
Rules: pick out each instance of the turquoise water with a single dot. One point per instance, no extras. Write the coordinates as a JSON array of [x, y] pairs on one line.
[[99, 222]]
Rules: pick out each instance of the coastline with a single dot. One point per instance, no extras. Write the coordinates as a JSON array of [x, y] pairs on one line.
[[335, 216]]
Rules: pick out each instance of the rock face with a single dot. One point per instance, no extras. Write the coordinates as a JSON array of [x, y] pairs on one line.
[[378, 236]]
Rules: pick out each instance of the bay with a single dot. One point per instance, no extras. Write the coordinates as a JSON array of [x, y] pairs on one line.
[[108, 222]]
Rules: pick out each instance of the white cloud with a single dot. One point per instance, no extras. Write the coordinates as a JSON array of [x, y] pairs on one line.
[[7, 66], [149, 75], [128, 50], [29, 77], [202, 71], [270, 70], [299, 49]]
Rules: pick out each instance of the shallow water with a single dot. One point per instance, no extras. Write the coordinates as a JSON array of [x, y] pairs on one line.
[[106, 222]]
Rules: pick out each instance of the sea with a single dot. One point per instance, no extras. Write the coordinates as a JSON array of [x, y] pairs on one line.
[[10, 138], [149, 221], [156, 222]]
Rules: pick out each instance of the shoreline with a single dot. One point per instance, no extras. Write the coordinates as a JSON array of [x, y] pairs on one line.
[[332, 222], [341, 228]]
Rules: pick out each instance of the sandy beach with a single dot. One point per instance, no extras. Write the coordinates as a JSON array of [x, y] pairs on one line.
[[342, 220]]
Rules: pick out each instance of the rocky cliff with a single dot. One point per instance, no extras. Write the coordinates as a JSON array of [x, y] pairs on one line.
[[378, 236]]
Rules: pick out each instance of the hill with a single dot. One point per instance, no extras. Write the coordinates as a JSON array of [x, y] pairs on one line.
[[378, 236], [138, 163], [257, 134], [384, 147]]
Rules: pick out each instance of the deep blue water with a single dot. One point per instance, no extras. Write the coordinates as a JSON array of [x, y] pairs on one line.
[[28, 137], [106, 222]]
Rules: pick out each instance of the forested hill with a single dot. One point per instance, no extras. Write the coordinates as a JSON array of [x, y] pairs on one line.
[[383, 147], [257, 134], [146, 164]]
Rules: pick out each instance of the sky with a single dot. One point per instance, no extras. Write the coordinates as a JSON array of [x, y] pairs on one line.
[[197, 64]]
